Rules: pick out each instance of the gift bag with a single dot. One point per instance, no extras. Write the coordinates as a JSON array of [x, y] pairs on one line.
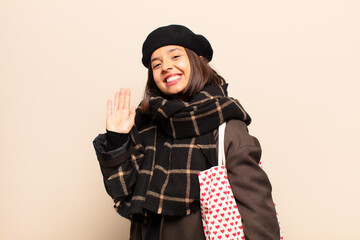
[[220, 216]]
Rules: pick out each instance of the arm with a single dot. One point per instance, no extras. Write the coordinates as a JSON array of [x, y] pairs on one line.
[[250, 184], [114, 148]]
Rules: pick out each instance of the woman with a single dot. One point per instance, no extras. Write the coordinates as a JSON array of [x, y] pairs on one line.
[[150, 158]]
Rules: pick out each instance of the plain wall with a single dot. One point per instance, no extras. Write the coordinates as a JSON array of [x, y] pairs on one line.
[[294, 66]]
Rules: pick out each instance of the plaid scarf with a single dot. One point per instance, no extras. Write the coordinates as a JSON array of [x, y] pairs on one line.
[[171, 146]]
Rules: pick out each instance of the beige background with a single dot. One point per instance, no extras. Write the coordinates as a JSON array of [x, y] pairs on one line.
[[294, 65]]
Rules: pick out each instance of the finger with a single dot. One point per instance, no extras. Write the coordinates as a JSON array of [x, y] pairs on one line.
[[132, 114], [109, 111], [127, 99], [116, 101], [121, 98]]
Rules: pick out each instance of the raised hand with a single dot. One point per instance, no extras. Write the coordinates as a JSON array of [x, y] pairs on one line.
[[120, 118]]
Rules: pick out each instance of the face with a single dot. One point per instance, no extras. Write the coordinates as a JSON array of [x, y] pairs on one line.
[[171, 69]]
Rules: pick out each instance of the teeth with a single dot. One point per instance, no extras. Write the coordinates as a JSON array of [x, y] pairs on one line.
[[170, 79]]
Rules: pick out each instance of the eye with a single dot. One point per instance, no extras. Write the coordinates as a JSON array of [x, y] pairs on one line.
[[156, 65], [176, 56]]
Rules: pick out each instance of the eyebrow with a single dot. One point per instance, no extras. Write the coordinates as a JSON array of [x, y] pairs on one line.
[[170, 50]]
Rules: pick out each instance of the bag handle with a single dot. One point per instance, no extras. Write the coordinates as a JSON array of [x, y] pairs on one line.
[[221, 151]]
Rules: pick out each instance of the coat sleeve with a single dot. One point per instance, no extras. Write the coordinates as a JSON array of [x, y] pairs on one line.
[[111, 158], [250, 184]]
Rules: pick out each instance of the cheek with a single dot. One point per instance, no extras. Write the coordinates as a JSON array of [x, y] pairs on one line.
[[182, 65], [188, 70], [185, 67], [156, 78]]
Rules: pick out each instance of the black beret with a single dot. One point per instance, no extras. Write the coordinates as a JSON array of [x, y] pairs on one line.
[[175, 35]]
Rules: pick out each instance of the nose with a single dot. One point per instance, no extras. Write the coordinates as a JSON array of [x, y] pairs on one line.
[[166, 65]]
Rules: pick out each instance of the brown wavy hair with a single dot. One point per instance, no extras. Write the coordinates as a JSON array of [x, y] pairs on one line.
[[201, 74]]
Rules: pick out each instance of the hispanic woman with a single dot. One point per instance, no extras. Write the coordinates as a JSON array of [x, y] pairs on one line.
[[150, 156]]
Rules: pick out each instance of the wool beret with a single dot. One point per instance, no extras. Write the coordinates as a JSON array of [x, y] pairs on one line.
[[175, 35]]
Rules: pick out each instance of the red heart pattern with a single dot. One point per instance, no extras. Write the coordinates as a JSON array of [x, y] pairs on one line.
[[216, 198], [216, 201]]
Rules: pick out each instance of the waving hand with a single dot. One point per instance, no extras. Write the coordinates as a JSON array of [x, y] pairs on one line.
[[120, 118]]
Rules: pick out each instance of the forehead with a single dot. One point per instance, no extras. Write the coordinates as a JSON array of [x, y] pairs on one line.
[[166, 50]]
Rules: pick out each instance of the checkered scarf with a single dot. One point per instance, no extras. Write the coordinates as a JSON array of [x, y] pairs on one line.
[[171, 146]]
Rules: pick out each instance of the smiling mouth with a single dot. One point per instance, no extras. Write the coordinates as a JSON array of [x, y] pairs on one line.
[[173, 78]]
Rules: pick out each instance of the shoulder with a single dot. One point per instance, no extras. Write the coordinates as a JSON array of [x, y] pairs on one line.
[[236, 133]]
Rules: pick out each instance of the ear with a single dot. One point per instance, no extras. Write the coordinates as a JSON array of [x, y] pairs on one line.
[[204, 59]]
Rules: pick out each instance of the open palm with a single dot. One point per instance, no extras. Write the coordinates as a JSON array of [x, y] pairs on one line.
[[120, 117]]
